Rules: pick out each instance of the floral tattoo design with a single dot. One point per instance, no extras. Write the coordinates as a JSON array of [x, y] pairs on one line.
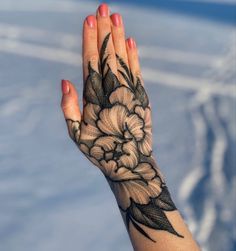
[[115, 135]]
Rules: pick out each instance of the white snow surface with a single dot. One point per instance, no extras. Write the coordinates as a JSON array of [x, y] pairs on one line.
[[51, 198]]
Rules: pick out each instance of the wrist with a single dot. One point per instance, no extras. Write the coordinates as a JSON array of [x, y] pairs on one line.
[[139, 184], [141, 194]]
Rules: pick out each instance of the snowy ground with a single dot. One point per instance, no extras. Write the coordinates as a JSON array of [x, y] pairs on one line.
[[51, 199]]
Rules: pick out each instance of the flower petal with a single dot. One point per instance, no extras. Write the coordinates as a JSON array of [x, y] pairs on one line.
[[124, 174], [90, 113], [139, 110], [74, 129], [97, 152], [154, 187], [84, 148], [135, 126], [137, 190], [123, 95], [112, 120], [146, 171], [130, 157], [145, 145], [108, 167], [118, 174], [89, 132], [94, 161], [145, 114], [148, 119], [108, 143]]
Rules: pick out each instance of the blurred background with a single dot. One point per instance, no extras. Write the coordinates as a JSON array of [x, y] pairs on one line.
[[51, 198]]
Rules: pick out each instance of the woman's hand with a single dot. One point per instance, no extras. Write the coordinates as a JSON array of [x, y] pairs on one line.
[[114, 131]]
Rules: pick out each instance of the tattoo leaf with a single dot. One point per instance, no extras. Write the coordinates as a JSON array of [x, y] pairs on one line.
[[151, 216], [132, 76], [137, 88], [93, 91], [141, 94], [130, 84], [124, 66], [127, 219], [164, 201], [74, 129], [104, 46], [103, 64], [110, 82], [141, 230]]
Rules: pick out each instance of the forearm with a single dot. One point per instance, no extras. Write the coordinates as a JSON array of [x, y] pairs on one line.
[[165, 241], [152, 220]]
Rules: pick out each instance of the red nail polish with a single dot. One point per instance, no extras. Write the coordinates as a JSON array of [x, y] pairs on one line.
[[65, 87], [91, 20], [131, 43], [103, 10], [116, 19]]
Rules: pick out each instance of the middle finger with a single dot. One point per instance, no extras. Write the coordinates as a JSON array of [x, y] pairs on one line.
[[105, 44]]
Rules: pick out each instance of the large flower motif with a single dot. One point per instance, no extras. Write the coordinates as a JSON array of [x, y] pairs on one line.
[[120, 132], [140, 184]]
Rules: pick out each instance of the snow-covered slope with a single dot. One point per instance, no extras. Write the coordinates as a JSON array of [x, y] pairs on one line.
[[51, 199]]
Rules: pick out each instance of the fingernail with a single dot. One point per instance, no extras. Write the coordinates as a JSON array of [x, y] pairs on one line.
[[116, 19], [91, 20], [103, 10], [65, 87], [131, 43]]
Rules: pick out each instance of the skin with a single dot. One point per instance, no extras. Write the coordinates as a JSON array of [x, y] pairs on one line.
[[158, 224]]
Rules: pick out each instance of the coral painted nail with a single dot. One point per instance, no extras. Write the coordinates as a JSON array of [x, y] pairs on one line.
[[116, 19], [65, 86], [91, 20], [131, 43], [103, 10]]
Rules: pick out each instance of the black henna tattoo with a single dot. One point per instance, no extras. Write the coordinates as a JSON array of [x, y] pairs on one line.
[[74, 129], [115, 134]]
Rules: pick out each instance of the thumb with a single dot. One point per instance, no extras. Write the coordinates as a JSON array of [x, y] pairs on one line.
[[70, 109]]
